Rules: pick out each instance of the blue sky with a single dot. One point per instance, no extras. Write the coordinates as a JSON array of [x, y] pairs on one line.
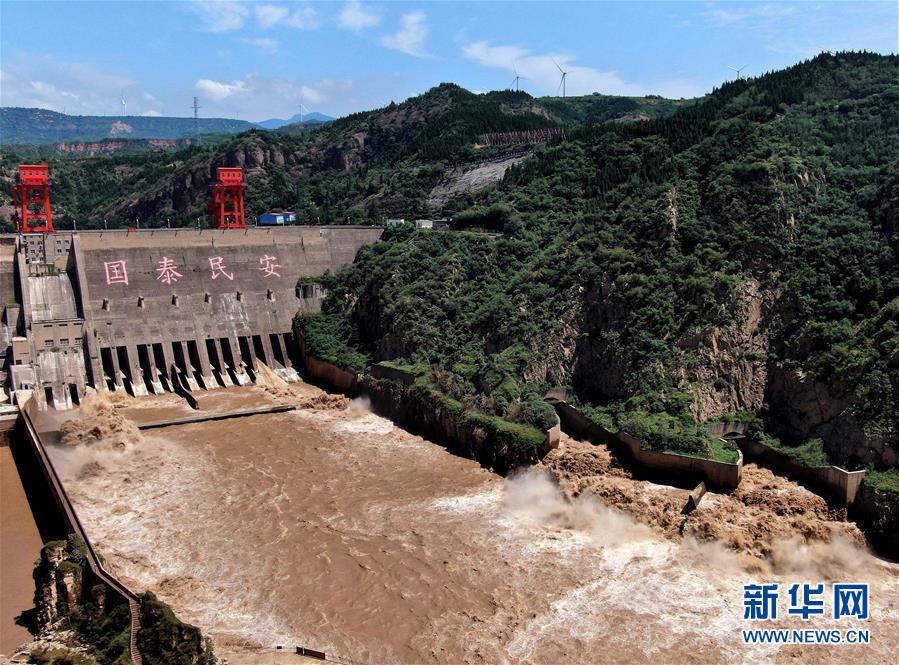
[[257, 60]]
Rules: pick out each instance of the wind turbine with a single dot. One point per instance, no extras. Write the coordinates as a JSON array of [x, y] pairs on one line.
[[303, 106], [124, 104], [517, 78], [564, 75], [739, 71]]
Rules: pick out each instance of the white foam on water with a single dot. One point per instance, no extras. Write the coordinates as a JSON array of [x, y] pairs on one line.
[[368, 424], [600, 575], [479, 502]]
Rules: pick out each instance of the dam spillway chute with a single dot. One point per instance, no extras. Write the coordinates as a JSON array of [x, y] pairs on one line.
[[148, 311]]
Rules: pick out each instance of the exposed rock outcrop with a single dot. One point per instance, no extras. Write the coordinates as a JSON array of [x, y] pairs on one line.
[[164, 639], [58, 584]]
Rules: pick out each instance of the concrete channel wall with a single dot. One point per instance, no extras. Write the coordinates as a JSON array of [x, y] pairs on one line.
[[837, 484], [668, 467], [331, 375], [390, 394], [833, 482], [64, 503], [28, 406]]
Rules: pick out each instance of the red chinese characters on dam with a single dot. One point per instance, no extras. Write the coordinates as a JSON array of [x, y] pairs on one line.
[[268, 266], [167, 272], [116, 272], [167, 269], [217, 266]]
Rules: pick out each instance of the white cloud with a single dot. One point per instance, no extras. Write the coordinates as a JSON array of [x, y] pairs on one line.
[[221, 15], [277, 96], [270, 16], [354, 17], [494, 56], [151, 114], [270, 45], [305, 19], [218, 91], [739, 14], [42, 81], [541, 73], [411, 37]]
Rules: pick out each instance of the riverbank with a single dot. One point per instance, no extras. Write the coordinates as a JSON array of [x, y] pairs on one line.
[[413, 400]]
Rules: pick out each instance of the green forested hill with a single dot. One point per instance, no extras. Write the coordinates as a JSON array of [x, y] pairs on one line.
[[360, 168], [740, 256], [41, 126]]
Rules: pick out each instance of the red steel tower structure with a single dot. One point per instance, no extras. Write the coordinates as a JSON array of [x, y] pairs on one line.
[[31, 196], [227, 205]]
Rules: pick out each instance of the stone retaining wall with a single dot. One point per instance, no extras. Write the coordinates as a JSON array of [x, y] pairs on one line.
[[667, 467], [424, 412], [832, 482]]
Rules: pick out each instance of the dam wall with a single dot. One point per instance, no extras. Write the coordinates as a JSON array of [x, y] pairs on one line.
[[148, 311]]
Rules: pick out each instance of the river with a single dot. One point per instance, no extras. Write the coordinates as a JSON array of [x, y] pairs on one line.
[[334, 529]]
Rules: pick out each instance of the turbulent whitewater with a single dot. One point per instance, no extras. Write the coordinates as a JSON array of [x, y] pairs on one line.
[[329, 527]]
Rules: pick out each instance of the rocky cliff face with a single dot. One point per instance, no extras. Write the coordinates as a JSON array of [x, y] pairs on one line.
[[731, 372], [724, 369], [90, 149], [163, 639], [58, 585], [345, 147], [189, 189]]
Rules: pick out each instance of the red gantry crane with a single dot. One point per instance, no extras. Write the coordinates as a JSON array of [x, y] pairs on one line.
[[31, 196], [227, 205]]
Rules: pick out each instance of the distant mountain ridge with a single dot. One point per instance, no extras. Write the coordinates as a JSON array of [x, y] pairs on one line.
[[401, 152], [277, 123], [41, 126]]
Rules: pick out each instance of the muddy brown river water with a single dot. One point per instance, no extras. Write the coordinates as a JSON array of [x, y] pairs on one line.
[[334, 529]]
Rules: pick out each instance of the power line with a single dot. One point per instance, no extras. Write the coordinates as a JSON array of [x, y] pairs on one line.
[[197, 107]]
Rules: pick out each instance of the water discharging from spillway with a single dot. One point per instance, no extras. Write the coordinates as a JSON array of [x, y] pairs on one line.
[[334, 529]]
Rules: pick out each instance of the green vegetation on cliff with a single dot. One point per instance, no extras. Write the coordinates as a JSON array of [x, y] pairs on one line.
[[98, 621], [101, 626], [634, 256], [165, 640]]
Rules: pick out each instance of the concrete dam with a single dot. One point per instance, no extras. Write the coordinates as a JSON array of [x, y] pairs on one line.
[[159, 310]]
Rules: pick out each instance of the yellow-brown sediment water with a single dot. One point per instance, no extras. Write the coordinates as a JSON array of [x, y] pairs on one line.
[[20, 547], [332, 528]]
